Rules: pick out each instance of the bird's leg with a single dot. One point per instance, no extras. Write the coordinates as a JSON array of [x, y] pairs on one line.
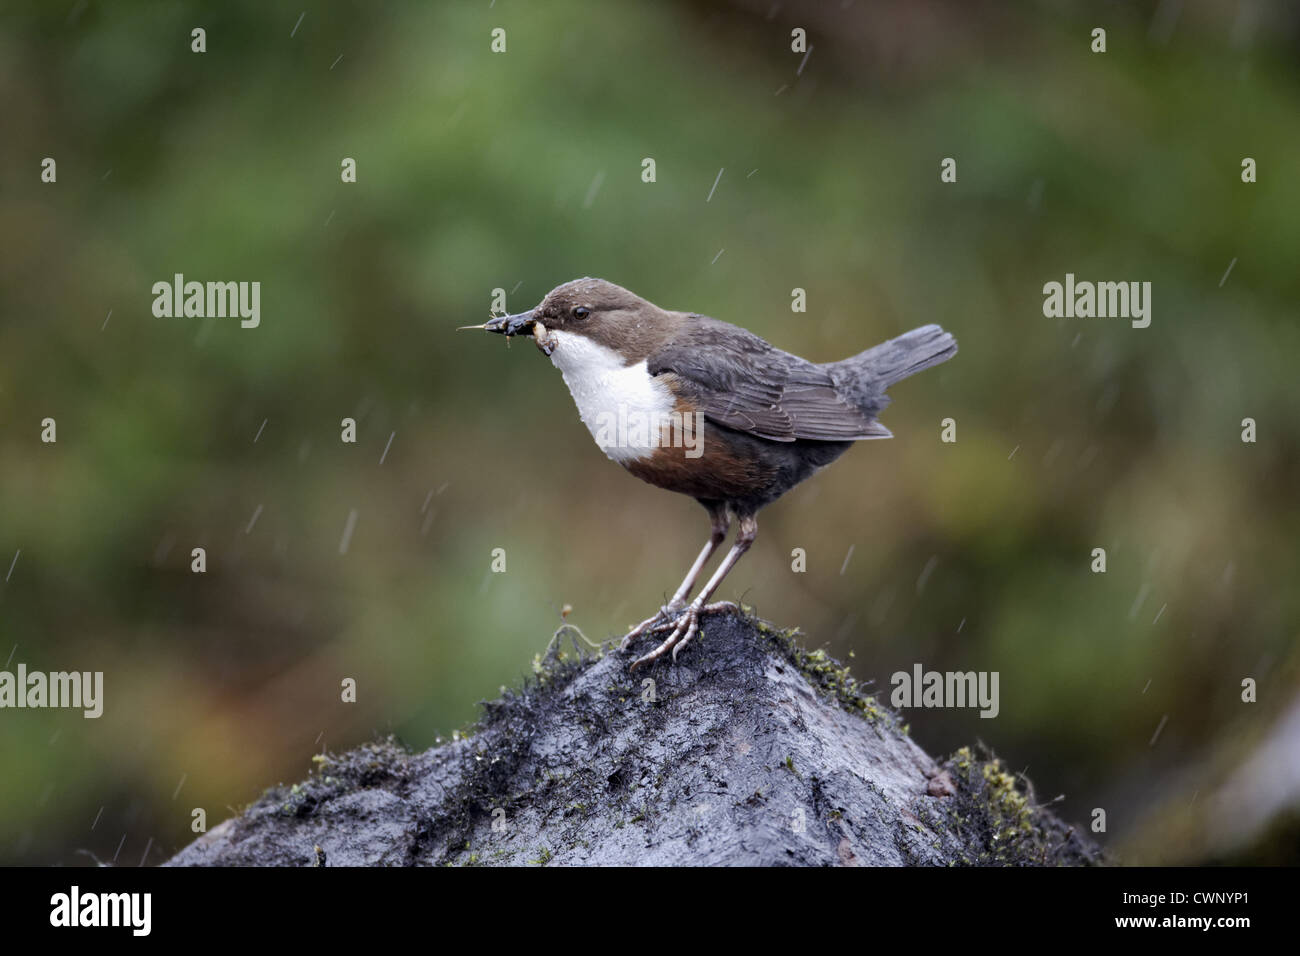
[[721, 522], [688, 624]]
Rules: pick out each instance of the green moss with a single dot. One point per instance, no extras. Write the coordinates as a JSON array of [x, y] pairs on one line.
[[963, 758], [994, 809], [1011, 806], [369, 765], [543, 857]]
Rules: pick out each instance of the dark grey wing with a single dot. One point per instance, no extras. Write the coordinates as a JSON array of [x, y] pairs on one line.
[[740, 381]]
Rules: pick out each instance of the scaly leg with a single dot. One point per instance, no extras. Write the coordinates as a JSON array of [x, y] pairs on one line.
[[721, 522], [688, 624]]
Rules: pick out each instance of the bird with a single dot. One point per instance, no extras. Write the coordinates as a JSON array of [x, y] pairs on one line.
[[708, 409]]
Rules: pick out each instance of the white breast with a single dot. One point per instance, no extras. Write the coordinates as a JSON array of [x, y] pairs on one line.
[[621, 405]]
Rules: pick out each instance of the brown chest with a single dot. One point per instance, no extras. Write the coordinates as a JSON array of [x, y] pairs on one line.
[[709, 463]]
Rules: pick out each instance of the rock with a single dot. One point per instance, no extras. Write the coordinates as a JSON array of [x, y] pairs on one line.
[[748, 751]]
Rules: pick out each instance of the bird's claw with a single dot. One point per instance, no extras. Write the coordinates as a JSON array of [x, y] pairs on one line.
[[685, 625], [662, 620]]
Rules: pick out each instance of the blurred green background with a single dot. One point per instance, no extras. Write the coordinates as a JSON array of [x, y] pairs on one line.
[[523, 170]]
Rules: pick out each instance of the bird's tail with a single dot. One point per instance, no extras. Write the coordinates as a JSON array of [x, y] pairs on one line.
[[865, 376], [911, 352]]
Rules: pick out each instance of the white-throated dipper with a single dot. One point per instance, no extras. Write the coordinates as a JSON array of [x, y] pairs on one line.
[[710, 410]]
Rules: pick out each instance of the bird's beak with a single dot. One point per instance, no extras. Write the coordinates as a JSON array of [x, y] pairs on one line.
[[519, 324]]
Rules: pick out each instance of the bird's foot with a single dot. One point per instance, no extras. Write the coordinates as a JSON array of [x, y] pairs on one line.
[[684, 627], [667, 614]]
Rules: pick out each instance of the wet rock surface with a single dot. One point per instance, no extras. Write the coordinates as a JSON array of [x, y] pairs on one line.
[[748, 751]]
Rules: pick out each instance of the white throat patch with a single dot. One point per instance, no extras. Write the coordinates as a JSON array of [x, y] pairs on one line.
[[621, 405]]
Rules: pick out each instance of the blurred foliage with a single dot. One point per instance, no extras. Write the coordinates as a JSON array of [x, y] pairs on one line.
[[523, 170]]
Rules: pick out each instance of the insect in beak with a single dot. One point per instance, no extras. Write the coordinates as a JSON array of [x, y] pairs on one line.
[[545, 339]]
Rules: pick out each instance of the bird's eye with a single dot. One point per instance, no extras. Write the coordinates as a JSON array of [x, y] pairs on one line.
[[581, 312]]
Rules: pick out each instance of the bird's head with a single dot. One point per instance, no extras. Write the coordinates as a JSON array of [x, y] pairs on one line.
[[595, 312]]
